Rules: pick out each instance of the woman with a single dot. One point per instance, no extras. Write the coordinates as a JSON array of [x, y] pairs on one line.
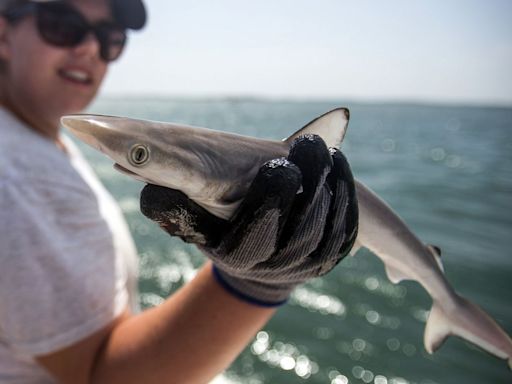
[[68, 305]]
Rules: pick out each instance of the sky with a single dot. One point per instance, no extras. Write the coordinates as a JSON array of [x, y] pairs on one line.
[[444, 51]]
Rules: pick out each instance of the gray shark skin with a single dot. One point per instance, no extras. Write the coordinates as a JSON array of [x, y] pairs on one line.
[[216, 168]]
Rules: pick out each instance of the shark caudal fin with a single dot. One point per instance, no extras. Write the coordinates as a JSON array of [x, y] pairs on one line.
[[469, 322], [330, 126]]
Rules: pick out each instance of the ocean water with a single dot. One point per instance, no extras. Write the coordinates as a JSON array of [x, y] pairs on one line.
[[446, 170]]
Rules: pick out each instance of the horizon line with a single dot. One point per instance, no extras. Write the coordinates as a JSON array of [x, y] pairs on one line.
[[312, 99]]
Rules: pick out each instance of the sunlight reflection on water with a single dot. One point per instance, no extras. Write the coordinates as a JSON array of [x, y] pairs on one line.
[[284, 356]]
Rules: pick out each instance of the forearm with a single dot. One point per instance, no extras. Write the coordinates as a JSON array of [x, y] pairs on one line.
[[190, 338]]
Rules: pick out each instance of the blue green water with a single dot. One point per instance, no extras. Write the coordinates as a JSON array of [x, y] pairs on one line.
[[446, 170]]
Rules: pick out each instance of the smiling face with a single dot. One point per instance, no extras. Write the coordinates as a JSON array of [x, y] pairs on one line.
[[42, 82]]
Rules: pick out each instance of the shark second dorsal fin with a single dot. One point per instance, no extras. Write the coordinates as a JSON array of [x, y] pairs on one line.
[[435, 251], [330, 126]]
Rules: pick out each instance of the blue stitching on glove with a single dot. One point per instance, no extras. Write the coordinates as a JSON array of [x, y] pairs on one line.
[[243, 296]]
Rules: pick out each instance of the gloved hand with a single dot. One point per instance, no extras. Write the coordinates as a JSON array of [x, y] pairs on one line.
[[297, 221]]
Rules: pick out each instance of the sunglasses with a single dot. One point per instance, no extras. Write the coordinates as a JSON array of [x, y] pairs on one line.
[[61, 25]]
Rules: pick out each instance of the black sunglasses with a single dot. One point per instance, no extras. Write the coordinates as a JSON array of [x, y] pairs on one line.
[[62, 25]]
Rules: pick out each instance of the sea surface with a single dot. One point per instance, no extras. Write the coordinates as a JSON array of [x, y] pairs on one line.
[[447, 171]]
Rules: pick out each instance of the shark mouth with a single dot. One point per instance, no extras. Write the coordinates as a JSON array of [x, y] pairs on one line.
[[132, 174]]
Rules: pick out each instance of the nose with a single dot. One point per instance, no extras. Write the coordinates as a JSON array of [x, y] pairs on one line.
[[89, 46]]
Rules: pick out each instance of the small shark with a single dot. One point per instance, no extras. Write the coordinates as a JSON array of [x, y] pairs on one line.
[[215, 169]]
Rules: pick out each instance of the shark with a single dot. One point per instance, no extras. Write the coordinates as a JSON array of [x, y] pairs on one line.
[[215, 169]]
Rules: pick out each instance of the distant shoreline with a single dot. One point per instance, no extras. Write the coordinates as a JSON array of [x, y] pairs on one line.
[[314, 100]]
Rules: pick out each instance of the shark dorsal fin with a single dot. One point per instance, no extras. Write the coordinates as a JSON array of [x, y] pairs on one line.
[[330, 126]]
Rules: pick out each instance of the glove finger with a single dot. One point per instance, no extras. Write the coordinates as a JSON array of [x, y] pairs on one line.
[[312, 156], [339, 232], [342, 222], [180, 216], [306, 239], [257, 222]]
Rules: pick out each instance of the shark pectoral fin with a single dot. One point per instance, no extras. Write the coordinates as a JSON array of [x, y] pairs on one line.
[[394, 275], [471, 323], [437, 329]]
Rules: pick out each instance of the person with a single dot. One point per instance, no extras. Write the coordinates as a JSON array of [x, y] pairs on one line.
[[68, 302]]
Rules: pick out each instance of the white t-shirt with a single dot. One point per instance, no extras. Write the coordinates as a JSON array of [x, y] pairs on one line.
[[67, 260]]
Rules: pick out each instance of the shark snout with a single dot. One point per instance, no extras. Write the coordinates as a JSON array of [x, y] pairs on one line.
[[104, 133], [83, 128], [79, 123]]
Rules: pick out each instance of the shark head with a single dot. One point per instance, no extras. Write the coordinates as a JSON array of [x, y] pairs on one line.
[[138, 148]]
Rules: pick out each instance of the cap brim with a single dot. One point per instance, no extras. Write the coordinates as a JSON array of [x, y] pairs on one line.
[[129, 13]]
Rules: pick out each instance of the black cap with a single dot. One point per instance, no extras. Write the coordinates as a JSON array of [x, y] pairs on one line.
[[129, 13]]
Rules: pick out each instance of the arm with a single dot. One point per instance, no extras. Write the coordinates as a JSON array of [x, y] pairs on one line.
[[190, 338]]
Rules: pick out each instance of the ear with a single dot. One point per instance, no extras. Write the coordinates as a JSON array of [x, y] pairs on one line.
[[4, 40]]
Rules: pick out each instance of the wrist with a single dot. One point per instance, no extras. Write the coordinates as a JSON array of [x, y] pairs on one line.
[[254, 292]]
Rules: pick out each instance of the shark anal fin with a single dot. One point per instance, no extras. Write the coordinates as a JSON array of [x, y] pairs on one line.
[[436, 331], [471, 323]]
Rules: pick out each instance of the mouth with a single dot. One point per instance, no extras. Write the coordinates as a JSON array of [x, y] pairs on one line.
[[134, 175], [76, 76], [122, 169]]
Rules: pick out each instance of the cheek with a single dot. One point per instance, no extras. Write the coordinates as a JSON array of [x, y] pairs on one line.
[[101, 72], [32, 75], [30, 62]]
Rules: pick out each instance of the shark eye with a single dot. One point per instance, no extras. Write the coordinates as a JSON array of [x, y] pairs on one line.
[[139, 155]]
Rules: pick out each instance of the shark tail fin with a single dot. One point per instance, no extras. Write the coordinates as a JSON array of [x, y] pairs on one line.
[[469, 322], [330, 126]]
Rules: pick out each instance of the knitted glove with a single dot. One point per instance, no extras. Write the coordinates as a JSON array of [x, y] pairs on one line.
[[297, 221]]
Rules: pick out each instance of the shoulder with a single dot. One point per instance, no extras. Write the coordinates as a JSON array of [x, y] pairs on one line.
[[32, 166], [42, 195]]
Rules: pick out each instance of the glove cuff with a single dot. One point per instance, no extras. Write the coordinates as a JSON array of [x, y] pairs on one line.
[[253, 292]]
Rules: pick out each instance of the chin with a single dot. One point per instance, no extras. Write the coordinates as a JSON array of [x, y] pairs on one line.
[[76, 106]]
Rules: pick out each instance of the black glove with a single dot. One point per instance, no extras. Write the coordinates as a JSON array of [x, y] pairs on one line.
[[297, 221]]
